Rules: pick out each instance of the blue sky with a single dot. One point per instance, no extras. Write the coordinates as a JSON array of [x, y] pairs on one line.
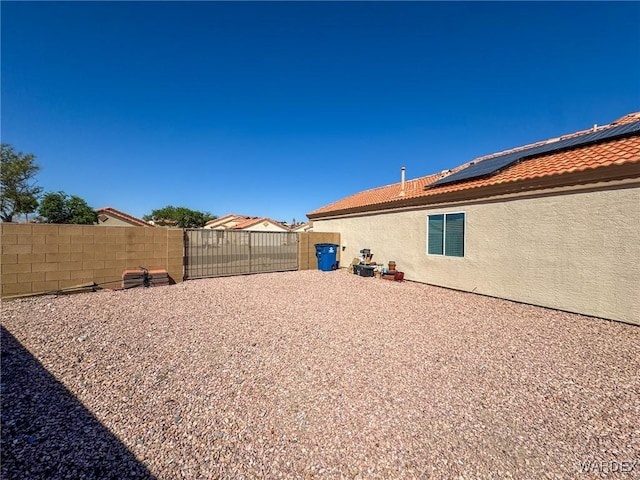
[[276, 109]]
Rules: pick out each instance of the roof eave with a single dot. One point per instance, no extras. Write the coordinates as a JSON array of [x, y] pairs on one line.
[[123, 217], [609, 173]]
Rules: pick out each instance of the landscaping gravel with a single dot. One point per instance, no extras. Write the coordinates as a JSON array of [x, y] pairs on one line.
[[314, 375]]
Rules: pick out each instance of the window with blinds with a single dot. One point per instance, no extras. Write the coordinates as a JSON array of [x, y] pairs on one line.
[[445, 234]]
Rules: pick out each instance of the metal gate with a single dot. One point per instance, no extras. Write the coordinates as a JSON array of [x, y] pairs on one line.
[[215, 253]]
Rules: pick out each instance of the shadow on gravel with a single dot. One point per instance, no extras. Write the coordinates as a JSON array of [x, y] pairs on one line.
[[47, 432]]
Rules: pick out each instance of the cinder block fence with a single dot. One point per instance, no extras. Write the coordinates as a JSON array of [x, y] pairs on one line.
[[307, 248], [42, 257], [38, 258]]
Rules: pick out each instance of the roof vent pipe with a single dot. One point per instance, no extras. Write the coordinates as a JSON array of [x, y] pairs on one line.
[[402, 170], [595, 127]]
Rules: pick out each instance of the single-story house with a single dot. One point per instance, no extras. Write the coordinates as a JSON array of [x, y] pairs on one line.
[[225, 222], [261, 224], [302, 227], [250, 224], [555, 223], [111, 217], [243, 230]]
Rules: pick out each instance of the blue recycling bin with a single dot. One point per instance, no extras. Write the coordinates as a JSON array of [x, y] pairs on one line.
[[326, 253]]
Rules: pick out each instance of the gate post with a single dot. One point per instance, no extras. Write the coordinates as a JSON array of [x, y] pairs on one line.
[[250, 258], [185, 255]]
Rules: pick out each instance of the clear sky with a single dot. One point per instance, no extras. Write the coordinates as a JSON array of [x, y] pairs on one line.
[[276, 109]]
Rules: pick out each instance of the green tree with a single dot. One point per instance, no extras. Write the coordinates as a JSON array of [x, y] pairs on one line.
[[58, 207], [182, 217], [18, 192]]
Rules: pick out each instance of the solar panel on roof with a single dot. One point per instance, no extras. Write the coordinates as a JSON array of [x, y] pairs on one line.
[[495, 164]]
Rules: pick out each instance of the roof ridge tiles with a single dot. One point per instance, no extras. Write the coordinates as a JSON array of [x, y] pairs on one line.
[[629, 118], [125, 215], [598, 153]]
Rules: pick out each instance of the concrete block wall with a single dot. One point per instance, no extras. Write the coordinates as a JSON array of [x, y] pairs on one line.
[[307, 251], [38, 258]]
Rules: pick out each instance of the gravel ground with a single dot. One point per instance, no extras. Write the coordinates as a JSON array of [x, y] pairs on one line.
[[314, 375]]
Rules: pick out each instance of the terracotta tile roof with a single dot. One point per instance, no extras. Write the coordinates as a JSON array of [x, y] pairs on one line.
[[125, 217], [241, 222], [301, 227], [594, 157], [223, 219], [249, 222], [227, 221]]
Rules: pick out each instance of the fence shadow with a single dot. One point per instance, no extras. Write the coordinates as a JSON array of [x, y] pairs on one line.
[[47, 432]]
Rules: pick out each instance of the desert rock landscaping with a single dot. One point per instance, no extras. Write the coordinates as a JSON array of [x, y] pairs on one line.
[[313, 375]]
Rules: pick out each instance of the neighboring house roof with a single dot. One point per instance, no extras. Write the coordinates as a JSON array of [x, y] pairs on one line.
[[608, 159], [122, 216], [251, 222], [221, 220], [240, 222], [227, 222], [301, 227]]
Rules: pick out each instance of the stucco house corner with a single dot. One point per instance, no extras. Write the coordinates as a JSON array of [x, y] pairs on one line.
[[555, 223]]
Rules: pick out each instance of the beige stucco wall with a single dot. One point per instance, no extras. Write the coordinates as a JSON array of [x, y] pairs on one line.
[[258, 227], [577, 250], [269, 227], [113, 221]]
